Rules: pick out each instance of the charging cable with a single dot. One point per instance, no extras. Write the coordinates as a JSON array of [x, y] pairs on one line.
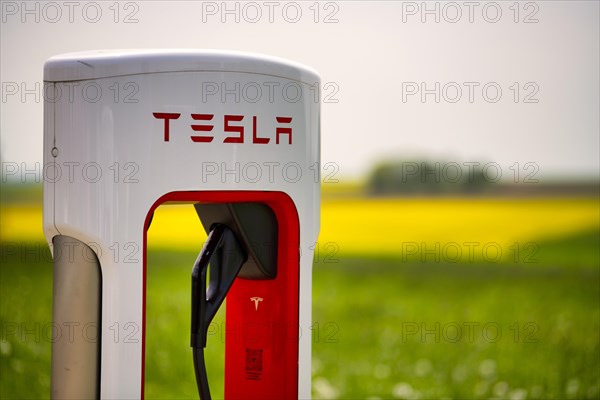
[[226, 256]]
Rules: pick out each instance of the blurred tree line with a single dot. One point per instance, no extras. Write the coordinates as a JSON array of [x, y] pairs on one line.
[[428, 177]]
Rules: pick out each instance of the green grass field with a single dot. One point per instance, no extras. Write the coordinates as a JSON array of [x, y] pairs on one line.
[[384, 326]]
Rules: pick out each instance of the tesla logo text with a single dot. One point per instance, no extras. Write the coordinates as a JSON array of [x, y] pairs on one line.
[[256, 300], [204, 125]]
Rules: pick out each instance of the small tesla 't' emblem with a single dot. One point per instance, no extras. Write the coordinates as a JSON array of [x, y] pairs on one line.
[[256, 300]]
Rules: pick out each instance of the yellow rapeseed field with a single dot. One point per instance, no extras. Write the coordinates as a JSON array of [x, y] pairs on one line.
[[379, 226], [386, 226]]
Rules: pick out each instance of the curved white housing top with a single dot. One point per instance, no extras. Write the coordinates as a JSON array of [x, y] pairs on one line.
[[112, 63]]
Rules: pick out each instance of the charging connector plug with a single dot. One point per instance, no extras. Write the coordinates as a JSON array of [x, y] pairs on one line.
[[226, 256]]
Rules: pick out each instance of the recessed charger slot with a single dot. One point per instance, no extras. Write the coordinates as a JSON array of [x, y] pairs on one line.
[[255, 226]]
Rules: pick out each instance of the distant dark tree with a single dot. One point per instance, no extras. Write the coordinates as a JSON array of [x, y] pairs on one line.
[[426, 177]]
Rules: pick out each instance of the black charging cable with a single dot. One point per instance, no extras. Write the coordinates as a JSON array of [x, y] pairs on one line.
[[226, 256]]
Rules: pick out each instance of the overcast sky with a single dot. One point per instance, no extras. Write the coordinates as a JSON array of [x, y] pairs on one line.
[[518, 82]]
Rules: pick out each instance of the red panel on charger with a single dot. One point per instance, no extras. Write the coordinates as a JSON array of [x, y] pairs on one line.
[[262, 326]]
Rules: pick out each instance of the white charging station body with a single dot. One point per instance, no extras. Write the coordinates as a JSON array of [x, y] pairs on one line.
[[124, 129]]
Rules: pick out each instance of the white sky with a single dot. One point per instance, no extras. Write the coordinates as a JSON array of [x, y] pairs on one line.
[[368, 53]]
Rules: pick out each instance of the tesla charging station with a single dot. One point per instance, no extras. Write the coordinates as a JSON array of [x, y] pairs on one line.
[[234, 135]]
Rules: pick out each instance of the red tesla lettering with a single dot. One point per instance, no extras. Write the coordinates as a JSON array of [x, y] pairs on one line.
[[238, 129], [167, 117], [202, 128], [255, 138], [283, 131], [206, 134]]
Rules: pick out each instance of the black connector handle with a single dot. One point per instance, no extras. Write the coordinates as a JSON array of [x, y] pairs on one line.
[[226, 256]]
